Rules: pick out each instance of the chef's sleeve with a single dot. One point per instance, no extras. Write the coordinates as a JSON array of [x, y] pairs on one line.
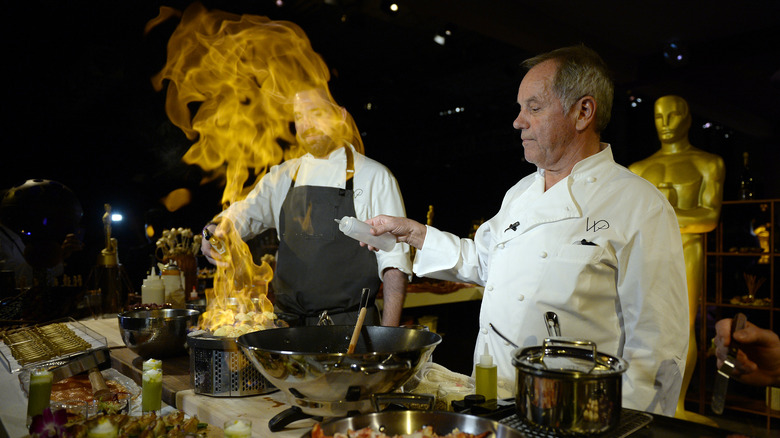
[[255, 213], [654, 303]]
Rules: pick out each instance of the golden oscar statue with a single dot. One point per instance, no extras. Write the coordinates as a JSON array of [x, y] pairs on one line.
[[692, 180]]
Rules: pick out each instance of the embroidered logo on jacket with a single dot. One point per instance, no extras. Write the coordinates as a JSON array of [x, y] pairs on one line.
[[596, 226]]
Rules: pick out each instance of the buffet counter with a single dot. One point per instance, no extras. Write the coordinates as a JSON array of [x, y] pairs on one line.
[[259, 408], [177, 389]]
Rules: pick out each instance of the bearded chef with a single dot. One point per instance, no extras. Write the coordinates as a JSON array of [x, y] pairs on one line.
[[583, 237], [318, 268]]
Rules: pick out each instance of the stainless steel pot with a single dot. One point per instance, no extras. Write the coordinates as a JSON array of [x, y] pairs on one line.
[[567, 387], [311, 366], [406, 422]]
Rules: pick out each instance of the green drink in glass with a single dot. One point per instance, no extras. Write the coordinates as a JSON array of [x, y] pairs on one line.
[[151, 391], [39, 393]]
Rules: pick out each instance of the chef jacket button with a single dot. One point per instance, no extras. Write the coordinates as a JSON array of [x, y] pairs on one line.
[[543, 254], [500, 246], [521, 297], [484, 331], [489, 288], [506, 344], [591, 179]]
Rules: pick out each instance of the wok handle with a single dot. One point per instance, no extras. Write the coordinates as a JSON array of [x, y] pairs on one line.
[[413, 402], [291, 415]]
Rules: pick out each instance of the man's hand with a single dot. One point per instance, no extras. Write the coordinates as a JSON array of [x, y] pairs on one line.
[[208, 251], [758, 359], [405, 230]]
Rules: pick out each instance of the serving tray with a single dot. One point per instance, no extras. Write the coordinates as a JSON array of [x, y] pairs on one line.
[[91, 337]]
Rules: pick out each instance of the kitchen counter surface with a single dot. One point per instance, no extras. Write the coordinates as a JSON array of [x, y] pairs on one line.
[[259, 409]]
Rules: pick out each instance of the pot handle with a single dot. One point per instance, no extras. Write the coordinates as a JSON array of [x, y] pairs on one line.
[[573, 342], [370, 368], [413, 402]]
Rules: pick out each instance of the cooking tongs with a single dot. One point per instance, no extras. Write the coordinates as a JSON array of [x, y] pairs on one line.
[[727, 369]]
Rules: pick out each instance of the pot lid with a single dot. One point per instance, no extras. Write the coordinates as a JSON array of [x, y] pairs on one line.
[[563, 356]]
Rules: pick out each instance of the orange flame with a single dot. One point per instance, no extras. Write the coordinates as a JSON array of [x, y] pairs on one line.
[[243, 72], [238, 302]]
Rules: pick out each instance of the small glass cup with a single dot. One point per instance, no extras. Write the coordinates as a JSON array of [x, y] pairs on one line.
[[104, 428], [238, 429], [151, 391], [39, 393]]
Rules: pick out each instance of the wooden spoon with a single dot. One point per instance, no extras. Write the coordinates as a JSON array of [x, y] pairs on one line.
[[361, 318]]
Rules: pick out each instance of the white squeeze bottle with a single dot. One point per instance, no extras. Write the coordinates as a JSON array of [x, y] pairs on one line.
[[361, 231], [153, 289], [486, 376]]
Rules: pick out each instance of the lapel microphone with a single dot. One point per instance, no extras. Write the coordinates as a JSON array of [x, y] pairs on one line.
[[513, 227]]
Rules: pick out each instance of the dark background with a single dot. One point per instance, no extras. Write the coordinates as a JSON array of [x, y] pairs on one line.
[[79, 106]]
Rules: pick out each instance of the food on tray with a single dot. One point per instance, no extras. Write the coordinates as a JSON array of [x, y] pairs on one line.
[[367, 432], [79, 388], [39, 343], [149, 425]]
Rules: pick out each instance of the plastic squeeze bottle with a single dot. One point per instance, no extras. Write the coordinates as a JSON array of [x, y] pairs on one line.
[[153, 289], [486, 373], [361, 231]]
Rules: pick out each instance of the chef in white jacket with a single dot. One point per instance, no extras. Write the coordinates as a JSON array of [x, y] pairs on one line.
[[583, 237]]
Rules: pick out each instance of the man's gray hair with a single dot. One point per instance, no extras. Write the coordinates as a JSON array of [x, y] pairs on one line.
[[581, 72]]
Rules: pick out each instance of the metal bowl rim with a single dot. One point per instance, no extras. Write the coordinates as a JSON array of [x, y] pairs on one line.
[[244, 345], [421, 419]]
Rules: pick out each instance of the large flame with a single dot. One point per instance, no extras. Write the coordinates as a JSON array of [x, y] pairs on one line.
[[241, 74], [238, 302]]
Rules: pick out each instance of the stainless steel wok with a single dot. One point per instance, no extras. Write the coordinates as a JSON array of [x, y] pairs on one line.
[[405, 422], [311, 365]]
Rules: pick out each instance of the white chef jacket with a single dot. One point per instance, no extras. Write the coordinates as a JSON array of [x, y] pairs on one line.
[[623, 289], [376, 192]]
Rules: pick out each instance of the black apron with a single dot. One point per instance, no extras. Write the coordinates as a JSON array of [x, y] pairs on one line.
[[318, 267]]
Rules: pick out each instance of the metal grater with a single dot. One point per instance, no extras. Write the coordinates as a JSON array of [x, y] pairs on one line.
[[218, 368]]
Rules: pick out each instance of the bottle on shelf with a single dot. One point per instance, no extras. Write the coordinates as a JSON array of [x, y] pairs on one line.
[[746, 184]]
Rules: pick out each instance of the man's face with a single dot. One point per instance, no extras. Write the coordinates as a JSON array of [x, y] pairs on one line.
[[671, 119], [546, 129], [318, 123]]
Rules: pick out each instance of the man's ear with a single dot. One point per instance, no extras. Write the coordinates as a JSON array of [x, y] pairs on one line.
[[585, 112]]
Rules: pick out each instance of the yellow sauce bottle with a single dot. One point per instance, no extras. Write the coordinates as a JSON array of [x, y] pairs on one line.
[[486, 373]]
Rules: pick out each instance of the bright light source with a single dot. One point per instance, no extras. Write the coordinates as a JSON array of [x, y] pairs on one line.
[[116, 217], [440, 40], [389, 7]]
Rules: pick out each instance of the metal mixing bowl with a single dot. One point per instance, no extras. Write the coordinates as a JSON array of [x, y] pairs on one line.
[[157, 333]]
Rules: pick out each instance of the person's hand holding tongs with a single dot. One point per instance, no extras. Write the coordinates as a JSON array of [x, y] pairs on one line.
[[727, 367]]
